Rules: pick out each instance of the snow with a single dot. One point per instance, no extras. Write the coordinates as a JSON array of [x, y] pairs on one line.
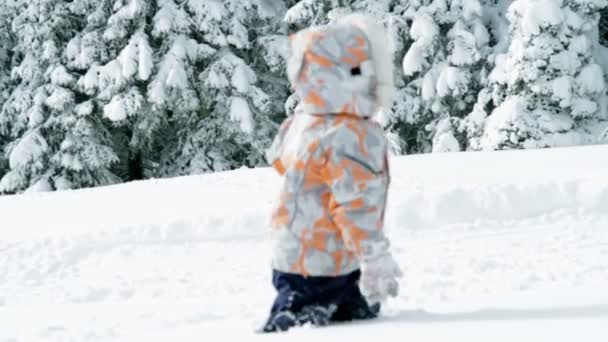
[[60, 98], [71, 162], [131, 10], [176, 76], [145, 62], [580, 45], [482, 36], [537, 14], [84, 109], [90, 80], [165, 18], [445, 142], [240, 112], [491, 250], [451, 80], [41, 185], [566, 61], [510, 114], [562, 89], [414, 60], [30, 148], [124, 105], [61, 77], [427, 91], [471, 9], [240, 79], [270, 8], [109, 76], [115, 110], [276, 51], [49, 50], [35, 116], [463, 51], [582, 108], [424, 29], [300, 13], [591, 79], [573, 19], [128, 59]]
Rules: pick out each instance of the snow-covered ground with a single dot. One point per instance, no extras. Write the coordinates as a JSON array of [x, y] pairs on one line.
[[500, 246]]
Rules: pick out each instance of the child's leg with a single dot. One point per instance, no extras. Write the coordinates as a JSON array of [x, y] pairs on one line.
[[353, 306], [301, 300]]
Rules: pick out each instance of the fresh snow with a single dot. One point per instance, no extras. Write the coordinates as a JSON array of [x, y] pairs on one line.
[[538, 14], [240, 79], [414, 60], [500, 246], [424, 29], [28, 150], [591, 79], [562, 89], [240, 112]]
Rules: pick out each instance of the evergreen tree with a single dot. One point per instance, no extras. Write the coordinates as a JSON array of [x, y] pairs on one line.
[[232, 126], [115, 52], [40, 27], [547, 89], [444, 69], [6, 85]]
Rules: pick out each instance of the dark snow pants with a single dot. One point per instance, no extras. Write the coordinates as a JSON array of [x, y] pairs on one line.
[[317, 300]]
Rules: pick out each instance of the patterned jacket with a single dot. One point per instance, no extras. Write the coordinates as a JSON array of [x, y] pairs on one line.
[[331, 207], [333, 159]]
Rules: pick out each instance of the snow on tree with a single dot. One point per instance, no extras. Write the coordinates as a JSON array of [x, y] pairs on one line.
[[7, 42], [115, 61], [547, 89], [39, 27], [444, 69], [311, 12], [229, 125], [55, 144]]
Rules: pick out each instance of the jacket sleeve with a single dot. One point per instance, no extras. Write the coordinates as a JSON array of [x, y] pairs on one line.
[[273, 154], [357, 173]]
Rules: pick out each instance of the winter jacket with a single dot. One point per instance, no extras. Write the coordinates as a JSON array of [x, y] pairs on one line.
[[332, 158], [332, 202]]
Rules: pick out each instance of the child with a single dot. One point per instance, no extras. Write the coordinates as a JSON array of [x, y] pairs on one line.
[[331, 259]]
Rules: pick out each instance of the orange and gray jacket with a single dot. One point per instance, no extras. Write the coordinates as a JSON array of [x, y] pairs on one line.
[[332, 156]]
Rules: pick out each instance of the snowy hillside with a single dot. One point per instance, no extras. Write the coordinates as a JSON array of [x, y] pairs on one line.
[[506, 246]]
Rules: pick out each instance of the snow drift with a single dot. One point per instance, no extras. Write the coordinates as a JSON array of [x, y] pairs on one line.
[[493, 245]]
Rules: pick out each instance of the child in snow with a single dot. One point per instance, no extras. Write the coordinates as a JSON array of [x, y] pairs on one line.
[[332, 260]]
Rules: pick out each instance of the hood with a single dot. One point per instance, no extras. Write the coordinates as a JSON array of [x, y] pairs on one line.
[[342, 68]]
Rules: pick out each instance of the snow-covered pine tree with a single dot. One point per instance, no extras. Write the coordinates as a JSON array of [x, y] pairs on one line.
[[57, 144], [231, 126], [40, 28], [444, 69], [6, 52], [548, 88], [306, 13], [268, 58], [115, 50]]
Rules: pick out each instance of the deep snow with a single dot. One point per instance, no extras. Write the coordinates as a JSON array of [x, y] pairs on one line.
[[494, 246]]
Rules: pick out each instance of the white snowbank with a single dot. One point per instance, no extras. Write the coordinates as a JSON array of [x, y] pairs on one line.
[[428, 191], [495, 245]]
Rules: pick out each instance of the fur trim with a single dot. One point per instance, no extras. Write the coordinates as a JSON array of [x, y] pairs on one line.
[[382, 56]]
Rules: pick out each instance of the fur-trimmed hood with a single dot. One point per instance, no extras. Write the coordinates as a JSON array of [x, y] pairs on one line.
[[342, 68]]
